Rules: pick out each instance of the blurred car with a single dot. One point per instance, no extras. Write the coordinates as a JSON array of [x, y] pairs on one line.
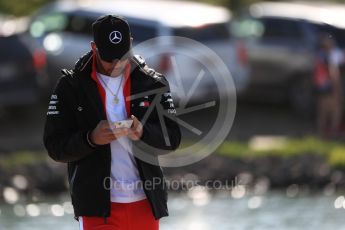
[[63, 29], [20, 80], [281, 39]]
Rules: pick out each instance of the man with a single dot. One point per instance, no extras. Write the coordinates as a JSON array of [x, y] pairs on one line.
[[111, 187]]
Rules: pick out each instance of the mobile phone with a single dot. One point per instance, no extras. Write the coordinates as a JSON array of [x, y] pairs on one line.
[[123, 124]]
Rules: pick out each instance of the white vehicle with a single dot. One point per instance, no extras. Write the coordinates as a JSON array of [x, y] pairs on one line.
[[63, 29]]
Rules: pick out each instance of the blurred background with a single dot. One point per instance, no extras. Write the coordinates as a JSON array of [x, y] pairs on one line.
[[282, 165]]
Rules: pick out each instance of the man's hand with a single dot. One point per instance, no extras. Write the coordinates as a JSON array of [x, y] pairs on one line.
[[104, 134], [136, 131]]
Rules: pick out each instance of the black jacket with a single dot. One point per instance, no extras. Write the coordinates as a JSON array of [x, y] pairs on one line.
[[76, 108]]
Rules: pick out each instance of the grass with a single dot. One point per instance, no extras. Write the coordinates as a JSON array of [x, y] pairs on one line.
[[334, 152], [21, 158]]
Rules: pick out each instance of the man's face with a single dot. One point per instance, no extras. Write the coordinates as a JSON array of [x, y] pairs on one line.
[[114, 68]]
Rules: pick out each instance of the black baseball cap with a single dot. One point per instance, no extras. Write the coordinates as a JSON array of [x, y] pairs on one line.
[[112, 36]]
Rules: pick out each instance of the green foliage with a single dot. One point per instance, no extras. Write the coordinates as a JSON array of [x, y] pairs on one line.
[[21, 7], [334, 152], [21, 158], [337, 157]]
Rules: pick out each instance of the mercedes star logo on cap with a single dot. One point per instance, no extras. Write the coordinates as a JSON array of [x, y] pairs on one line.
[[115, 37]]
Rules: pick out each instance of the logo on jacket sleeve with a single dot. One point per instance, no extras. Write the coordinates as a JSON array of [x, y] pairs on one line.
[[52, 108], [144, 104]]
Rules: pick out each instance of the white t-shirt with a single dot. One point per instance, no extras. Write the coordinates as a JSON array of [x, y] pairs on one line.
[[126, 184]]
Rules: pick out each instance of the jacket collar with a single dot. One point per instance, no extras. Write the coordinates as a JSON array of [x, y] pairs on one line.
[[86, 67], [82, 70]]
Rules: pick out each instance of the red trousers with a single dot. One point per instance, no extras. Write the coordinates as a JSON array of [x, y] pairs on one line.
[[124, 216]]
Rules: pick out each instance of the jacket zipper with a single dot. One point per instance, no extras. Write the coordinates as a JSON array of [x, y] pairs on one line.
[[73, 178]]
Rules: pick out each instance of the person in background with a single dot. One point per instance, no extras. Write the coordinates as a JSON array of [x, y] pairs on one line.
[[328, 86]]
